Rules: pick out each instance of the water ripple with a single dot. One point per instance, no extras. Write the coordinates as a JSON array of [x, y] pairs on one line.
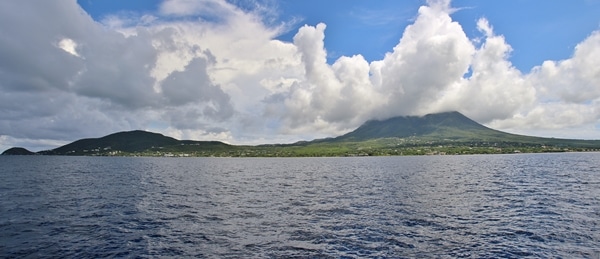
[[494, 206]]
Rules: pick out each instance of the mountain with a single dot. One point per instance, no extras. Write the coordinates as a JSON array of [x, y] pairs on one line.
[[447, 126], [128, 142], [450, 125], [17, 151]]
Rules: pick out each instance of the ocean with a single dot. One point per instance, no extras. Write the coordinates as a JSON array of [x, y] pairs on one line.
[[475, 206]]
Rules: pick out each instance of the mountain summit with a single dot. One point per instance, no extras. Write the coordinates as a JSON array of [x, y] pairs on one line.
[[451, 125]]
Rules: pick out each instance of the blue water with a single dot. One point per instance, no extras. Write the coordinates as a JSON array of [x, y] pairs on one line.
[[490, 206]]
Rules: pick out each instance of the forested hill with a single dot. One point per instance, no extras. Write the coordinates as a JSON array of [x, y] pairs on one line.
[[128, 142], [451, 125]]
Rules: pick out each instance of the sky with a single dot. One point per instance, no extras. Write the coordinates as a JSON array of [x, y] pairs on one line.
[[267, 71]]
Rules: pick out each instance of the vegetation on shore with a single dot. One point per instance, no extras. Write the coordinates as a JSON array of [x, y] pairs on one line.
[[448, 133], [376, 147]]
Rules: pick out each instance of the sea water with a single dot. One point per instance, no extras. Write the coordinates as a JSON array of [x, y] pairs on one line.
[[493, 206]]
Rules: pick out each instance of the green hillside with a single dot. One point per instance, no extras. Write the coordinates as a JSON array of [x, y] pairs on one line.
[[131, 142], [448, 126], [441, 133]]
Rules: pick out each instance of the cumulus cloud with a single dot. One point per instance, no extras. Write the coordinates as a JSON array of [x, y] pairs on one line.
[[211, 70], [574, 80], [69, 76], [566, 95], [324, 98], [433, 54], [494, 90], [193, 85]]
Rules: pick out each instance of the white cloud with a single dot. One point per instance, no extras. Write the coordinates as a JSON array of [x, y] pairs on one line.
[[328, 98], [567, 96], [574, 80], [495, 90], [432, 55], [69, 46]]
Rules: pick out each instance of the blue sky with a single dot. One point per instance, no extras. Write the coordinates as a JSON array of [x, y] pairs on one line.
[[536, 30], [267, 71]]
